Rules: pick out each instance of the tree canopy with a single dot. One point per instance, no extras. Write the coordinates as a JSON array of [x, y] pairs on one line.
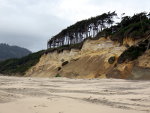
[[81, 30], [104, 25]]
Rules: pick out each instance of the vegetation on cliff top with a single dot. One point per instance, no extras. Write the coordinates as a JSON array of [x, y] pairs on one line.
[[81, 30], [73, 37], [134, 27]]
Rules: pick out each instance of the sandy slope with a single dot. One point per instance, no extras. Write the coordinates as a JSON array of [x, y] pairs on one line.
[[89, 62], [62, 95]]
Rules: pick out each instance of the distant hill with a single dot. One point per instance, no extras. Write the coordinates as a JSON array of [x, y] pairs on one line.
[[7, 52]]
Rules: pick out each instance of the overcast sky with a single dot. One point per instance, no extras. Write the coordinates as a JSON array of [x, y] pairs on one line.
[[30, 23]]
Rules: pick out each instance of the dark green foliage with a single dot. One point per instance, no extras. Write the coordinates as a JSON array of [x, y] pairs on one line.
[[112, 59], [20, 66], [135, 27], [7, 52], [134, 30], [65, 63], [58, 75], [133, 52], [130, 54], [81, 30]]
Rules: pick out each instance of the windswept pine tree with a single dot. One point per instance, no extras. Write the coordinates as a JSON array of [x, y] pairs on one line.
[[82, 30], [134, 27], [103, 25]]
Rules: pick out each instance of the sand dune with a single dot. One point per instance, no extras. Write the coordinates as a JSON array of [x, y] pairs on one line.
[[62, 95]]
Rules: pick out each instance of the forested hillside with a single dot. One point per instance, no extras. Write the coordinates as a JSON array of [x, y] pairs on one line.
[[7, 52], [21, 65]]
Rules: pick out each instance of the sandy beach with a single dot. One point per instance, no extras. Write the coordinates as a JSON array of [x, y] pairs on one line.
[[63, 95]]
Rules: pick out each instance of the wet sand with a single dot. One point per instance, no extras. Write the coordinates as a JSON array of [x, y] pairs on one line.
[[63, 95]]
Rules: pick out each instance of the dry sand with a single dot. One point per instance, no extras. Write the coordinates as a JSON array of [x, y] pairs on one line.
[[62, 95]]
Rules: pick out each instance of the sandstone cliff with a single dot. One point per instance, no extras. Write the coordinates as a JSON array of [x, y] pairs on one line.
[[92, 61]]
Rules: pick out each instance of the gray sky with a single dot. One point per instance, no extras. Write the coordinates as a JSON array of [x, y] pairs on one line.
[[30, 23]]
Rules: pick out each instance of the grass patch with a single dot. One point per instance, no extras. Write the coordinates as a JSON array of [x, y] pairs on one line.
[[58, 75]]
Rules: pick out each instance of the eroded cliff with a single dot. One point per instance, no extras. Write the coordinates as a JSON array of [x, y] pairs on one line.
[[93, 61]]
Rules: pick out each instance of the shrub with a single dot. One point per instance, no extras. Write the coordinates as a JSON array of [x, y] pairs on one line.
[[65, 63], [57, 75], [112, 59], [131, 54]]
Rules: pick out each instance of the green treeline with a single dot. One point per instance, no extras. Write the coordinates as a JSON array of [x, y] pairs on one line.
[[136, 26], [20, 66]]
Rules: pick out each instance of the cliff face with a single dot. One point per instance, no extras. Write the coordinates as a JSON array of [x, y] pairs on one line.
[[92, 61], [141, 70]]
